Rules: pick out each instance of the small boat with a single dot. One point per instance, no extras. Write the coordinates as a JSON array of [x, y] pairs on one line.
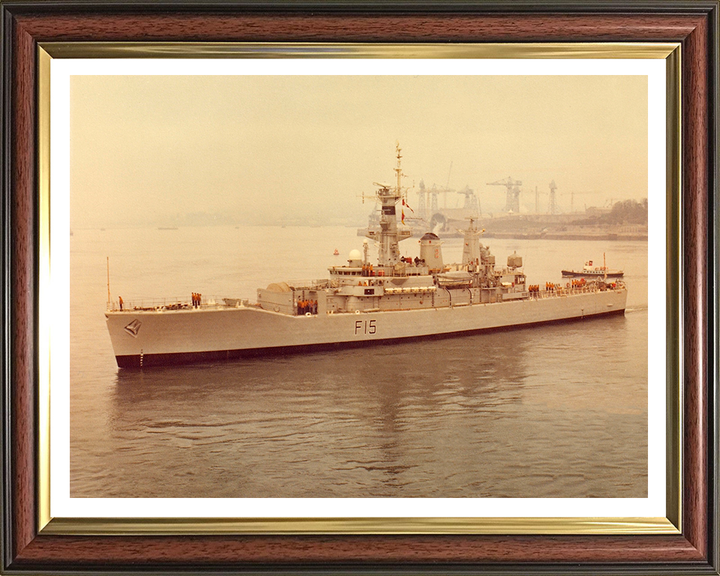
[[591, 271], [336, 253]]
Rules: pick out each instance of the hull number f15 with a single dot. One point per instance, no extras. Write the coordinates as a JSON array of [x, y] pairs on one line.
[[365, 327]]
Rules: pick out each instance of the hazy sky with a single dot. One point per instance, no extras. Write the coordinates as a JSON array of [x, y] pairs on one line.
[[148, 149]]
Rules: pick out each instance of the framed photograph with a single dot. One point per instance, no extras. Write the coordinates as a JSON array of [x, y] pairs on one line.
[[317, 288]]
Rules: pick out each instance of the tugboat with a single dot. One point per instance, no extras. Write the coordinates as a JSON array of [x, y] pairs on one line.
[[361, 303], [589, 271]]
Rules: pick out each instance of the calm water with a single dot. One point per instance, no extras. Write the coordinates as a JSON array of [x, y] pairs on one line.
[[556, 411]]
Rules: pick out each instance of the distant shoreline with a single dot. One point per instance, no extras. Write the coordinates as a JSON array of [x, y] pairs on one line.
[[622, 237], [575, 235]]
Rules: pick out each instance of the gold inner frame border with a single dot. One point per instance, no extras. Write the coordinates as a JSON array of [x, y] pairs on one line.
[[671, 524]]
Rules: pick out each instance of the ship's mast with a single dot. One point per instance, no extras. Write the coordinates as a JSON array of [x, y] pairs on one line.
[[604, 269], [398, 169], [388, 252]]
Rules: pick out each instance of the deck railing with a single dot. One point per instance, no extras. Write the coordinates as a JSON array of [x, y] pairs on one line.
[[185, 302], [168, 302]]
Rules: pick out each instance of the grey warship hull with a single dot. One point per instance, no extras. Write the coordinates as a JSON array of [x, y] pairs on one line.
[[221, 333]]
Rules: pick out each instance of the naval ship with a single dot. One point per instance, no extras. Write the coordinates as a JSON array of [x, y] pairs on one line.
[[361, 303]]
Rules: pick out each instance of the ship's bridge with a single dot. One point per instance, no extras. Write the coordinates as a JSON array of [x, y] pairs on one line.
[[346, 270], [407, 267]]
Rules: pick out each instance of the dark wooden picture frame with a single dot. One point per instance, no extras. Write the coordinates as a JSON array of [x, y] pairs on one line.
[[26, 25]]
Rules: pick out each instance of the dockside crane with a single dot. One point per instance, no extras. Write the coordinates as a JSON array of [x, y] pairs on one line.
[[553, 208], [512, 202], [471, 201], [423, 194], [434, 192], [428, 199]]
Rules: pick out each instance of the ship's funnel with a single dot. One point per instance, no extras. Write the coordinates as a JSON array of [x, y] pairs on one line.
[[431, 252]]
